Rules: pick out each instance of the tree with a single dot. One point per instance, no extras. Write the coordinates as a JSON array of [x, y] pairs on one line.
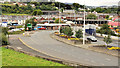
[[105, 30], [107, 40], [68, 31], [107, 17], [76, 5], [57, 20], [91, 16], [61, 29], [5, 30], [62, 9], [79, 33], [37, 12], [30, 21]]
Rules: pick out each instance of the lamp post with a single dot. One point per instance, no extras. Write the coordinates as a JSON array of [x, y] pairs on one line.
[[84, 26], [59, 17]]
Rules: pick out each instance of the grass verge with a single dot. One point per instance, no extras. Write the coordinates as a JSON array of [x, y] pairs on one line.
[[16, 32], [13, 58]]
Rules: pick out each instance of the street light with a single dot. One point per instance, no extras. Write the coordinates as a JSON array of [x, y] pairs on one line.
[[59, 17], [84, 26]]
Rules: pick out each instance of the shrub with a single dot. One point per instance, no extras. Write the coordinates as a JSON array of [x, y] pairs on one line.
[[68, 31], [79, 33], [5, 30], [61, 29], [4, 39]]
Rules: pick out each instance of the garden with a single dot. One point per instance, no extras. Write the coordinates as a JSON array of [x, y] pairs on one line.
[[66, 33]]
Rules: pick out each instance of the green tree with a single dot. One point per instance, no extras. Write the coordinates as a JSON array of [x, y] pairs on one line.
[[57, 20], [61, 29], [30, 21], [4, 39], [107, 40], [107, 17], [76, 5], [68, 31], [79, 33], [5, 30], [37, 12], [91, 16], [62, 9]]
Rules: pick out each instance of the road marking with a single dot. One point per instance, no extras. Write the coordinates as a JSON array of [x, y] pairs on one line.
[[19, 48]]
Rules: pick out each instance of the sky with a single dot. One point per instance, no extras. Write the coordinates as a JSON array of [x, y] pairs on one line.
[[92, 2]]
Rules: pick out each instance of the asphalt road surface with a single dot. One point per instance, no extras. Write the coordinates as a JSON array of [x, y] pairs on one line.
[[44, 43]]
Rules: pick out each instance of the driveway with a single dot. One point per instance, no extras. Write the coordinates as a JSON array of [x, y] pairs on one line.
[[44, 43]]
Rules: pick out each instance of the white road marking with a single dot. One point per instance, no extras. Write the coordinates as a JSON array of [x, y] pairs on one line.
[[19, 48]]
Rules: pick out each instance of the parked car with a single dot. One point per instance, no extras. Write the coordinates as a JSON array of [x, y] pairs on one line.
[[42, 28], [14, 30], [22, 29], [91, 38]]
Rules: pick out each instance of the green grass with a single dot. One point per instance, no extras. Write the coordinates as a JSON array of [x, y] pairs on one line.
[[13, 58], [16, 32]]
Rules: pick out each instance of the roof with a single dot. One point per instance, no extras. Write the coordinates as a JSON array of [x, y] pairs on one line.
[[114, 23], [51, 24]]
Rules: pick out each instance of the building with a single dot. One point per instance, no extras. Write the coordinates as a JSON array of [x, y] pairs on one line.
[[115, 22], [51, 26]]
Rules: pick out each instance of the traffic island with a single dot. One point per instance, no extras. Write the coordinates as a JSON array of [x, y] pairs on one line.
[[88, 46]]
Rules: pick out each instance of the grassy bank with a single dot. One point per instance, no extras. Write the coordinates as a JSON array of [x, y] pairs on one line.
[[13, 58], [16, 32]]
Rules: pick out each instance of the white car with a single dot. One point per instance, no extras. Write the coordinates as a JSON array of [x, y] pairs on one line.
[[15, 30], [91, 38]]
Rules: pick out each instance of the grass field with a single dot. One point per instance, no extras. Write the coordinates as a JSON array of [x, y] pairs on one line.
[[13, 58]]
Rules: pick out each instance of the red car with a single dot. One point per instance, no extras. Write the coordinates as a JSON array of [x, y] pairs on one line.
[[42, 28]]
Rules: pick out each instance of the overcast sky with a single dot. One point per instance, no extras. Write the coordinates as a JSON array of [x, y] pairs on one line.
[[92, 2]]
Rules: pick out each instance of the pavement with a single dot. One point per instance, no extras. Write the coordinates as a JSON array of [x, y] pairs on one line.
[[42, 42]]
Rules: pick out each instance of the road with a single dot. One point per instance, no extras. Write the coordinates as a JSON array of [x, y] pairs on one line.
[[44, 43], [100, 39]]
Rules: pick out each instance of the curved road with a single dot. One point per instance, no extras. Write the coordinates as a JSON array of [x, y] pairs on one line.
[[43, 42]]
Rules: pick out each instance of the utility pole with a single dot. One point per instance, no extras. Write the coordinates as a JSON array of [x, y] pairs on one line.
[[84, 26], [59, 17]]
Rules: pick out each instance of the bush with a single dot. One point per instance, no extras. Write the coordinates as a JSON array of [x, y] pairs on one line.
[[79, 33], [105, 30], [68, 31], [61, 29], [5, 30], [4, 39]]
